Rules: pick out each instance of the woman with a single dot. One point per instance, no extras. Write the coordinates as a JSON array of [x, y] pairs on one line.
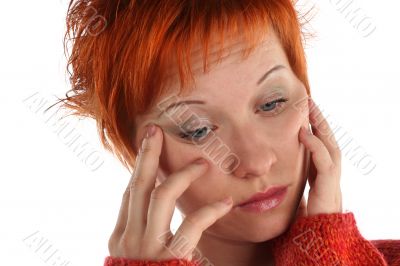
[[208, 104]]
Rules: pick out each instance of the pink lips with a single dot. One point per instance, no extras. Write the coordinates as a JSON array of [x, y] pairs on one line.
[[269, 199]]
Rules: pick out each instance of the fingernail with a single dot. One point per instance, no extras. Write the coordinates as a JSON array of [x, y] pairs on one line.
[[227, 201], [151, 129], [143, 145]]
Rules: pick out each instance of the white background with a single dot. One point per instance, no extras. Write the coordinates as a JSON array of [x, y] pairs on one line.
[[49, 193]]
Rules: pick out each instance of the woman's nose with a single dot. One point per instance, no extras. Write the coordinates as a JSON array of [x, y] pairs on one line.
[[256, 155]]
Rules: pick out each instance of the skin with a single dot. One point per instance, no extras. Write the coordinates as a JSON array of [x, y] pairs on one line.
[[235, 108]]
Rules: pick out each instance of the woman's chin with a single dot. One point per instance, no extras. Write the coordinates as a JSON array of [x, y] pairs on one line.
[[268, 229], [252, 228]]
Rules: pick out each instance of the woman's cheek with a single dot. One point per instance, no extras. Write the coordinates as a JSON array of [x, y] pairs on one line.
[[287, 126], [295, 114], [175, 155], [204, 190], [194, 197]]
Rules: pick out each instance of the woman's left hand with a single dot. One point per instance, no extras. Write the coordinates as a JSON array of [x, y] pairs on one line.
[[325, 195]]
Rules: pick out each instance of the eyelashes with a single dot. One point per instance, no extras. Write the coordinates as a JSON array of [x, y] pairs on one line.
[[198, 134], [275, 106]]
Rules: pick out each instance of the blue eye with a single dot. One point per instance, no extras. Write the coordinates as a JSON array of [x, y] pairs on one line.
[[197, 134], [201, 133], [271, 106]]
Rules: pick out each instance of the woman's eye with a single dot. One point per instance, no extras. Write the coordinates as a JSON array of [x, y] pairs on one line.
[[273, 105], [201, 133], [196, 134]]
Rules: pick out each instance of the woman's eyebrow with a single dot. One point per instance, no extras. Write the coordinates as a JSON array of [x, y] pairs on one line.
[[269, 72], [177, 104]]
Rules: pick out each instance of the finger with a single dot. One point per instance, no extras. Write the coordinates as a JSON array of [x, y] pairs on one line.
[[163, 198], [189, 233], [328, 173], [143, 182], [312, 173], [123, 212], [323, 130], [319, 153]]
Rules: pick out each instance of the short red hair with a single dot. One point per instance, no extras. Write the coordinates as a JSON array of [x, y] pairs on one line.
[[119, 69]]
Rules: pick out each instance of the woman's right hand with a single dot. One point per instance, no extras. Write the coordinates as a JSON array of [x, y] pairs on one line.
[[142, 231]]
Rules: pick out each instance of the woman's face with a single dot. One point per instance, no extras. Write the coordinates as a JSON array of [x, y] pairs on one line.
[[240, 113]]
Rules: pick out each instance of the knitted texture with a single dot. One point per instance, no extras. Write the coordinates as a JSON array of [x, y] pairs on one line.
[[390, 248], [112, 261], [326, 239], [323, 239]]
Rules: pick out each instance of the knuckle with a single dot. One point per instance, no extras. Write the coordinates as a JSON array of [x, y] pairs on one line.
[[148, 244], [112, 244], [161, 192], [191, 220], [121, 246], [126, 244], [194, 222], [115, 235], [137, 183], [334, 143], [146, 149], [135, 247], [126, 193], [333, 168]]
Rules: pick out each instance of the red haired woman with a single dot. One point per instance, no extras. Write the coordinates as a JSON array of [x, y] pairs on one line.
[[207, 103]]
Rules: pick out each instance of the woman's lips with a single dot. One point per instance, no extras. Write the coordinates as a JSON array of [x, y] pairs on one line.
[[261, 202]]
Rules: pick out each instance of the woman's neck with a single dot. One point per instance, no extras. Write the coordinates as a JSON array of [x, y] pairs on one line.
[[213, 250]]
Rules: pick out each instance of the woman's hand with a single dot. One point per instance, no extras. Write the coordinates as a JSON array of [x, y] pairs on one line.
[[325, 195], [143, 227]]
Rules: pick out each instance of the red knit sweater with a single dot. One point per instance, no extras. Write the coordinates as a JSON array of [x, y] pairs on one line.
[[324, 239]]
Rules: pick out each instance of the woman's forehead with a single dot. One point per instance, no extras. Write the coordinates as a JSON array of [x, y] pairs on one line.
[[267, 53]]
